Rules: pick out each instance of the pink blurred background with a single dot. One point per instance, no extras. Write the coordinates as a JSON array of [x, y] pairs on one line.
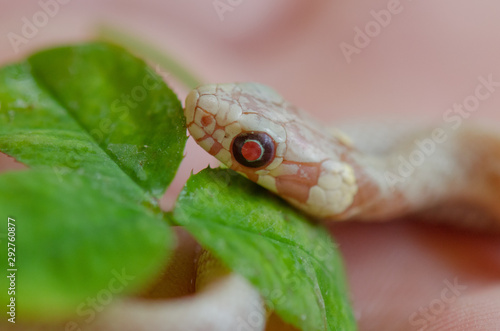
[[427, 58]]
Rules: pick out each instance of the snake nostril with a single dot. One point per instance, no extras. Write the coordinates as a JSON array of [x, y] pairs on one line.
[[206, 120]]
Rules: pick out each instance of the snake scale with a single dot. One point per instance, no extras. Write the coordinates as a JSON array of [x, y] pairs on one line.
[[253, 130]]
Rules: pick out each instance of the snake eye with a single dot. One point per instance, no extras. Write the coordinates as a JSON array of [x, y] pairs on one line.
[[253, 149]]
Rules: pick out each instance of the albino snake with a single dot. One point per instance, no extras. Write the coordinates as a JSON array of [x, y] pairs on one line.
[[254, 131]]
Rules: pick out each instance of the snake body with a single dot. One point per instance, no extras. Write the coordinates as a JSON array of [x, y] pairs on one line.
[[256, 132]]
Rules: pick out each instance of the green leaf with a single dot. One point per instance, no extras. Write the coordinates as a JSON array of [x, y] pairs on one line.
[[74, 244], [96, 109], [294, 264], [104, 137]]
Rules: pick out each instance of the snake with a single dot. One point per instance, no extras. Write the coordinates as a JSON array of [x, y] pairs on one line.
[[330, 174]]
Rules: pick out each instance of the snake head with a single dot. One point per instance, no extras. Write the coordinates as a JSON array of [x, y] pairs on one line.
[[254, 131], [227, 121]]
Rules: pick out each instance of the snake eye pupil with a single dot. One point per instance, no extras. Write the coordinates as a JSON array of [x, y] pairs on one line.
[[253, 149]]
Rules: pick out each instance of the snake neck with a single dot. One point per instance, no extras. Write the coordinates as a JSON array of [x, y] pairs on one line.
[[430, 169]]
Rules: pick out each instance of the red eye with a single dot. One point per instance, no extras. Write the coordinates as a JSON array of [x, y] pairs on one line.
[[253, 149]]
